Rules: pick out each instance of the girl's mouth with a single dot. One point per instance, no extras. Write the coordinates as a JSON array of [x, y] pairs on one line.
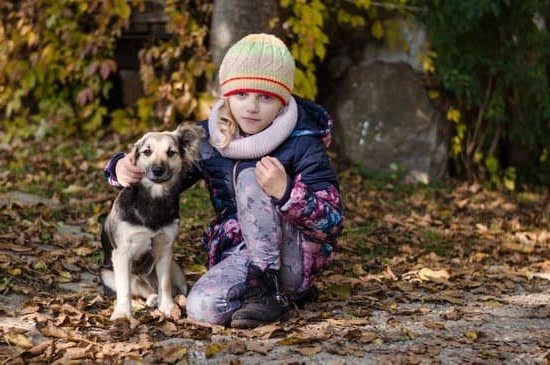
[[251, 119]]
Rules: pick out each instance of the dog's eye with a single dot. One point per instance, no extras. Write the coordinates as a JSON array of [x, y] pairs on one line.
[[171, 153], [147, 153]]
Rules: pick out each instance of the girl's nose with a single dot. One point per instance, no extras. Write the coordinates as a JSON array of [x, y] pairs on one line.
[[253, 104]]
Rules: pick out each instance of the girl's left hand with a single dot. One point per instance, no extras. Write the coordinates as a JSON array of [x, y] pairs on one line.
[[271, 176]]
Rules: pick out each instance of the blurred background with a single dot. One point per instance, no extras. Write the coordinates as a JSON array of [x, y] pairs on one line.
[[419, 89]]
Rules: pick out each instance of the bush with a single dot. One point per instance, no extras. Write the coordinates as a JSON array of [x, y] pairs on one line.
[[492, 58]]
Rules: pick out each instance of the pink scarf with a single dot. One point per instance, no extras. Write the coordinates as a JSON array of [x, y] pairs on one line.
[[261, 143]]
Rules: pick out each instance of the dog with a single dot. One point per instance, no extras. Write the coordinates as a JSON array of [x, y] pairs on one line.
[[138, 234]]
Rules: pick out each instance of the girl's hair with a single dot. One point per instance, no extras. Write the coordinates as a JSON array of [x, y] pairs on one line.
[[227, 124]]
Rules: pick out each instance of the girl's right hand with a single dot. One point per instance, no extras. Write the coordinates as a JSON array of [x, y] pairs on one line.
[[126, 172]]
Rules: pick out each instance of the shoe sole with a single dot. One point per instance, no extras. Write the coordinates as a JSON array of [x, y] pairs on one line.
[[252, 323]]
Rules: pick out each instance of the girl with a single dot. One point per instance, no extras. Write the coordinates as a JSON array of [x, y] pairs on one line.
[[276, 197]]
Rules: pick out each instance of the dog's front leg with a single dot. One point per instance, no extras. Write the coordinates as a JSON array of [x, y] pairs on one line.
[[162, 247], [122, 267]]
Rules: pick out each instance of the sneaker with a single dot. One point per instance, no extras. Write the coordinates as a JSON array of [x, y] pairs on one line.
[[263, 302]]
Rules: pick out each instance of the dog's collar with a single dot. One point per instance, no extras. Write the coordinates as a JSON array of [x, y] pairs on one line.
[[261, 143]]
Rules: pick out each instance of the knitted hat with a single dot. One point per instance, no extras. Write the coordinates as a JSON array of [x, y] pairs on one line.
[[258, 63]]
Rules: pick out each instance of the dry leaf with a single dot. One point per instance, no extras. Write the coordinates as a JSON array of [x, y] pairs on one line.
[[40, 348], [168, 328], [76, 353], [434, 326], [472, 335], [308, 350], [433, 275], [50, 330], [213, 349], [171, 354], [267, 331], [18, 340]]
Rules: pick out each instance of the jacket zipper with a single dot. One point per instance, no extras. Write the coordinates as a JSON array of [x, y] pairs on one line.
[[234, 180]]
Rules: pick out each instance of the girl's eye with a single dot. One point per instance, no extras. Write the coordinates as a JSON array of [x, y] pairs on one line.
[[242, 94], [147, 153], [266, 97], [171, 153]]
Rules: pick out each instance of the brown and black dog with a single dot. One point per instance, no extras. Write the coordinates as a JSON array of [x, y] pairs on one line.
[[139, 232]]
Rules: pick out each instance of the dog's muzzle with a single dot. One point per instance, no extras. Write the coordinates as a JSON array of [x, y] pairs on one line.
[[158, 173]]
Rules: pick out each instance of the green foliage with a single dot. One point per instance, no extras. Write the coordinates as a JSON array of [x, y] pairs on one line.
[[57, 56], [55, 59], [492, 57], [171, 72], [308, 22], [306, 25]]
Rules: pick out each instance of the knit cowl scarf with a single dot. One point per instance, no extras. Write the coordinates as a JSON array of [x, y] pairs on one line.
[[259, 144]]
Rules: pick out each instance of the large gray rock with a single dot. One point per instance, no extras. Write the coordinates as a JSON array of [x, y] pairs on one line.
[[384, 118]]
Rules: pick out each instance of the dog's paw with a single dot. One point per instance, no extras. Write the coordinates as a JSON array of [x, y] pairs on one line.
[[152, 301], [170, 309], [181, 301], [121, 315]]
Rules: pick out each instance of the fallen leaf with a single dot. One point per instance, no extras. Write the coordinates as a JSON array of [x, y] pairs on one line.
[[18, 340], [472, 335], [171, 354], [40, 348], [434, 325], [293, 340], [84, 250], [50, 330], [76, 353], [213, 349], [433, 275], [168, 328], [308, 350]]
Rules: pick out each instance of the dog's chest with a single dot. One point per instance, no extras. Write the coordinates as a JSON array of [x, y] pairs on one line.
[[153, 213], [137, 240]]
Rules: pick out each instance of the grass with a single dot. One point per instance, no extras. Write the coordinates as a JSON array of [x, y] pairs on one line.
[[437, 243]]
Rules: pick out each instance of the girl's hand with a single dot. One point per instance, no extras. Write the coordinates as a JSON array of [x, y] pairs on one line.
[[126, 172], [271, 176]]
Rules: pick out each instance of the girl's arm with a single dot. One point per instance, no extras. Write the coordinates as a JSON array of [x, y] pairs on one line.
[[116, 167], [312, 201]]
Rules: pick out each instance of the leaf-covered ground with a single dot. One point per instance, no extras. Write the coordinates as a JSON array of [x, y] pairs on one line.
[[454, 273]]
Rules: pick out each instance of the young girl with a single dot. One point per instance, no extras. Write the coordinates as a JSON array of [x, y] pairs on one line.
[[276, 197]]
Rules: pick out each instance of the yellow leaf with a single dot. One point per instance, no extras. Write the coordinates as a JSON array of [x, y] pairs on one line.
[[363, 4], [15, 272], [212, 349], [472, 335], [377, 30], [64, 276], [18, 340], [433, 94], [84, 251], [453, 115]]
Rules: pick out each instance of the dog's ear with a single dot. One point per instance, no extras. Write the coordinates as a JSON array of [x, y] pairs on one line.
[[189, 138]]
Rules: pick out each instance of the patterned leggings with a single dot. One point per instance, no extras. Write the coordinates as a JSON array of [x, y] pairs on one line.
[[269, 242]]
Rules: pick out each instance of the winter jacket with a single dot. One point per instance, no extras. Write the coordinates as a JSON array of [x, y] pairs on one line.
[[311, 203]]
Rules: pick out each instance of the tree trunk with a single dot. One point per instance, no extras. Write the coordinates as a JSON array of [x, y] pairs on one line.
[[233, 19]]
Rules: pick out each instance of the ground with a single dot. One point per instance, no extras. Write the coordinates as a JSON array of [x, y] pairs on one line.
[[455, 273]]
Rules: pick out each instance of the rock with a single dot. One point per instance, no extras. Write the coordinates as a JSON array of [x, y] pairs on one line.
[[383, 118]]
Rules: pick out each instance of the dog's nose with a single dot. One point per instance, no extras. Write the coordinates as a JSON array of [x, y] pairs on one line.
[[158, 170]]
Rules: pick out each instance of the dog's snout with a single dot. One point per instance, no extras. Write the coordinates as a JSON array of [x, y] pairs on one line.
[[158, 170]]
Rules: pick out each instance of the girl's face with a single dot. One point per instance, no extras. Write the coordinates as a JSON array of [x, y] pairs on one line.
[[253, 112]]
